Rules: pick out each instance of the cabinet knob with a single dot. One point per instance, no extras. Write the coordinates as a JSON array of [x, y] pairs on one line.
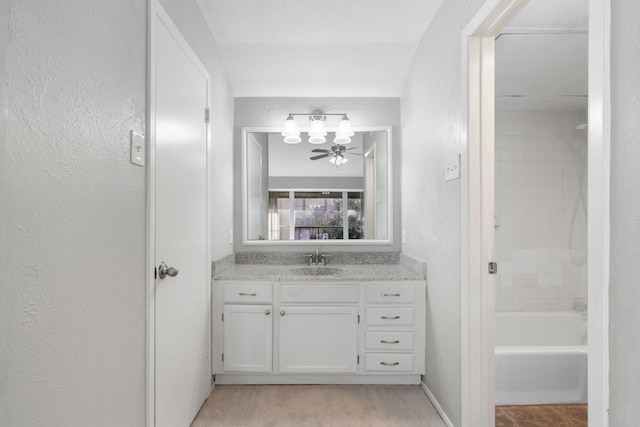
[[268, 312], [282, 313]]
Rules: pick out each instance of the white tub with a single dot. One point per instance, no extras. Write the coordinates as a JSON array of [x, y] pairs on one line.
[[541, 358]]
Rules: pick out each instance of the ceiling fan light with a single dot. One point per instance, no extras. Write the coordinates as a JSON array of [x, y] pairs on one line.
[[344, 159], [292, 139], [332, 160]]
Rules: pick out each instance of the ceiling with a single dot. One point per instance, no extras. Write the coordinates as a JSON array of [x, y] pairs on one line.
[[299, 48], [541, 57], [303, 48]]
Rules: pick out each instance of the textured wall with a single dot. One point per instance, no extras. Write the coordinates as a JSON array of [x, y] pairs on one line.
[[431, 122], [541, 210], [272, 112], [76, 214], [625, 216], [4, 326], [186, 15]]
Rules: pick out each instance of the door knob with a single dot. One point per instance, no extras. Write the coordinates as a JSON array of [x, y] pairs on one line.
[[164, 271]]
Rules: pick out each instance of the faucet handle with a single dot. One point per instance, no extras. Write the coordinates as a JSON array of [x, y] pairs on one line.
[[324, 258], [310, 260]]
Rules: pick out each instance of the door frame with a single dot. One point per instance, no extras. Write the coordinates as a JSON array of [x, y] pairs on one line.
[[155, 10], [477, 139]]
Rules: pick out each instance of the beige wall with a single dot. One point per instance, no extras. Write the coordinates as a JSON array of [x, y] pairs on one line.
[[431, 122], [73, 208], [75, 321], [625, 216]]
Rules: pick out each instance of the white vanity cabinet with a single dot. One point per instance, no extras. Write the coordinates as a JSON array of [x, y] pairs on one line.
[[319, 332], [318, 339], [318, 328], [247, 319], [394, 319]]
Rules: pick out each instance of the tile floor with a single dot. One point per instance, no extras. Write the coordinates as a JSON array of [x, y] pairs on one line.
[[542, 416]]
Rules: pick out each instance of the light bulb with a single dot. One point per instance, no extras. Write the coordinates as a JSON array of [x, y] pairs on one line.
[[344, 127], [290, 132], [292, 139], [339, 139], [317, 133]]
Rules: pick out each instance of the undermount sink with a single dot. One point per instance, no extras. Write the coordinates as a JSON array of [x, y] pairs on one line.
[[315, 271]]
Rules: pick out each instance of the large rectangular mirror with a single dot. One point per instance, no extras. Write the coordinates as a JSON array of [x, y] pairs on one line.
[[316, 193]]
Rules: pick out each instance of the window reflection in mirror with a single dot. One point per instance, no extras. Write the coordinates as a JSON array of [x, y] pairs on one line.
[[317, 215], [295, 194]]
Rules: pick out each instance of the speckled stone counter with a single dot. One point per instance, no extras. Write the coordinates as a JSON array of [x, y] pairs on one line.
[[403, 270]]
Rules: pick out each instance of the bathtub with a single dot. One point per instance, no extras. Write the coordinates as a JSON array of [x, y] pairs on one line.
[[541, 358]]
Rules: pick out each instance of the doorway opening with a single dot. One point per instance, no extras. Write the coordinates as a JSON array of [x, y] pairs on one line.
[[479, 216]]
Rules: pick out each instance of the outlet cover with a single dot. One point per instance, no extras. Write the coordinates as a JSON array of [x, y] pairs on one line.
[[452, 168]]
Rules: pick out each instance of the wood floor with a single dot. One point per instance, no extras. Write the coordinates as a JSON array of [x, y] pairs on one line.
[[542, 416], [318, 405]]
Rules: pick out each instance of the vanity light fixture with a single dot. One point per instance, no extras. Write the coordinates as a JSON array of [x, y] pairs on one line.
[[317, 133]]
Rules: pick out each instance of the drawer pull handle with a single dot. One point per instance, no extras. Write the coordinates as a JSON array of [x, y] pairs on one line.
[[390, 295], [268, 312], [389, 364], [390, 342], [282, 313], [390, 318], [242, 294]]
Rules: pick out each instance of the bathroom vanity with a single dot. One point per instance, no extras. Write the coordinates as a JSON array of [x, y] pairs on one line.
[[342, 324]]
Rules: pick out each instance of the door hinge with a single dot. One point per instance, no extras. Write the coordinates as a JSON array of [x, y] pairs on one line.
[[223, 317], [493, 268], [207, 115], [358, 359], [358, 319], [223, 357]]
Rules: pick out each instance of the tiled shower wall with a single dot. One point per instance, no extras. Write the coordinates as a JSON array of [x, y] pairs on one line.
[[541, 200]]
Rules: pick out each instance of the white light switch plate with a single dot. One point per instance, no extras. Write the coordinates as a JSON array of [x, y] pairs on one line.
[[137, 150], [452, 168]]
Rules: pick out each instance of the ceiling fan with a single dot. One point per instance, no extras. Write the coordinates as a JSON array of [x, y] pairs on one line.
[[335, 154]]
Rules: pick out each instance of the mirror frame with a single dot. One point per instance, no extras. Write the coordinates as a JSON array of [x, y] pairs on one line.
[[342, 243]]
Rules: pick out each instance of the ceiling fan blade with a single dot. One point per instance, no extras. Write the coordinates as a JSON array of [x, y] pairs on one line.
[[320, 150], [321, 156], [352, 148], [357, 154]]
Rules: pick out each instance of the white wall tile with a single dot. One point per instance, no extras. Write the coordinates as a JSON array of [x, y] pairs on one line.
[[540, 199]]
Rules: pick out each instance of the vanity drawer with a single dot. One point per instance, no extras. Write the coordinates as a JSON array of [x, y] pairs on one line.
[[390, 316], [388, 362], [388, 340], [390, 294], [325, 293], [247, 293]]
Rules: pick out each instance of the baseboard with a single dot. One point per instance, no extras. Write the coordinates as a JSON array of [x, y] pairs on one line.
[[228, 379], [436, 405]]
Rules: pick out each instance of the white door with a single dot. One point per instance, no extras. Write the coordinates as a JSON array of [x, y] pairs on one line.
[[182, 331], [247, 338], [318, 339]]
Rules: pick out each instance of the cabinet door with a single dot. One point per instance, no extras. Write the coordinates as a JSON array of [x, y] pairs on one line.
[[247, 338], [318, 339]]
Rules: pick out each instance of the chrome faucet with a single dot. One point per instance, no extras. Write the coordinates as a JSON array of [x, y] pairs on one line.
[[316, 258]]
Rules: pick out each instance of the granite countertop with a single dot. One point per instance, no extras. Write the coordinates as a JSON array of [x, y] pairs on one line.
[[291, 273]]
